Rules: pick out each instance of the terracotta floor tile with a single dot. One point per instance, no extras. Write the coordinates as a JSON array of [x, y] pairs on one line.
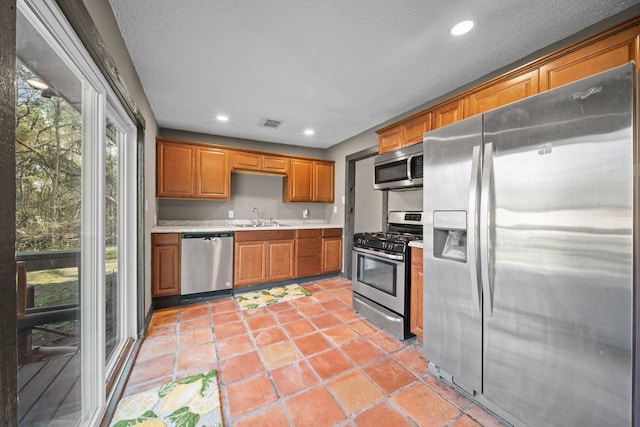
[[382, 415], [279, 307], [334, 305], [412, 359], [323, 296], [223, 305], [132, 389], [465, 421], [361, 352], [325, 321], [197, 370], [199, 323], [269, 336], [298, 328], [389, 375], [293, 378], [363, 327], [195, 356], [386, 342], [194, 312], [155, 346], [229, 330], [240, 367], [312, 309], [347, 315], [330, 363], [234, 346], [262, 311], [483, 417], [447, 392], [249, 395], [345, 295], [225, 317], [152, 368], [312, 344], [314, 408], [288, 316], [273, 417], [354, 392], [165, 317], [195, 337], [341, 334], [432, 410], [261, 322], [279, 354], [170, 329]]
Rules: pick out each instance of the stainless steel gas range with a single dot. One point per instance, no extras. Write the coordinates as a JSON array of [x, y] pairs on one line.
[[381, 268]]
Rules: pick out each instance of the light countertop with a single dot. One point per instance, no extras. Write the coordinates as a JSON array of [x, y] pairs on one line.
[[178, 226], [416, 244]]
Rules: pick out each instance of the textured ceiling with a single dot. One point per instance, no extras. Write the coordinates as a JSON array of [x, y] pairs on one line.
[[337, 66]]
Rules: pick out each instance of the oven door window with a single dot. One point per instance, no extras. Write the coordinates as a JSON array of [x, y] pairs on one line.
[[391, 172], [377, 273]]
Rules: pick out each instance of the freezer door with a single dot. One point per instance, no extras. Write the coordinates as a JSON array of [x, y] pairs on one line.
[[559, 302], [452, 318]]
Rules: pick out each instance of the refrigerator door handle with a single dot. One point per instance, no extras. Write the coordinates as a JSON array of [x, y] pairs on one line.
[[472, 232], [485, 194]]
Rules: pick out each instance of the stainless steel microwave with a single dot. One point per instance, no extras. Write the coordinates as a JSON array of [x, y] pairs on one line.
[[400, 169]]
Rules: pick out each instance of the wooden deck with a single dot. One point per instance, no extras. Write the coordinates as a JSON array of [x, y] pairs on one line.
[[49, 390]]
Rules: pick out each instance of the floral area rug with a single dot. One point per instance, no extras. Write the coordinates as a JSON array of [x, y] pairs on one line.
[[190, 402], [264, 297]]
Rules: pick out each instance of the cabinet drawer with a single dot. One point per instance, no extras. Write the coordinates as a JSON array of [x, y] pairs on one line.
[[332, 232], [165, 238], [310, 232]]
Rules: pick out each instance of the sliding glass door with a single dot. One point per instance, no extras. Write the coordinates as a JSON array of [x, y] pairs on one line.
[[75, 225]]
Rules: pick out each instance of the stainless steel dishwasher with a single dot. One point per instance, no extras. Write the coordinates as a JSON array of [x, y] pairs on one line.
[[207, 262]]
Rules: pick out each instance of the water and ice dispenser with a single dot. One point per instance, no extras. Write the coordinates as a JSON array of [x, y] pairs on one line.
[[450, 235]]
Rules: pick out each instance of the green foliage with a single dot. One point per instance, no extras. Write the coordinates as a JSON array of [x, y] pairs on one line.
[[149, 415]]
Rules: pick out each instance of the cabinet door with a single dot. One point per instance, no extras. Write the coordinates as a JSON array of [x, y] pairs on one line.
[[280, 260], [415, 128], [447, 114], [175, 170], [246, 161], [390, 140], [249, 262], [165, 265], [323, 182], [212, 172], [502, 93], [331, 254], [275, 164], [416, 310], [592, 59], [299, 183]]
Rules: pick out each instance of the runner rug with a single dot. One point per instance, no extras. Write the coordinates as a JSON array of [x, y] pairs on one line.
[[190, 402], [264, 297]]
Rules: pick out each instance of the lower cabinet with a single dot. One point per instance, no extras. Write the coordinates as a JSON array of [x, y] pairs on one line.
[[263, 256], [165, 264], [417, 269], [331, 250], [308, 252]]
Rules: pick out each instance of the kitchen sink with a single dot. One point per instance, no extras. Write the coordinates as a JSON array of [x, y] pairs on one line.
[[263, 225]]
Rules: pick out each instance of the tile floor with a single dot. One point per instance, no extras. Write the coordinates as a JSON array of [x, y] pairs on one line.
[[309, 362]]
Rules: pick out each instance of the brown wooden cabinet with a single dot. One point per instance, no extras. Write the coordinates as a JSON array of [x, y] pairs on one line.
[[415, 305], [331, 250], [263, 256], [309, 181], [610, 52], [259, 163], [502, 93], [187, 171], [406, 133], [448, 113], [176, 169], [165, 264], [308, 252]]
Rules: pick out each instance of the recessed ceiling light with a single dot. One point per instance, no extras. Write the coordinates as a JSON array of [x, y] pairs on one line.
[[222, 117], [462, 28], [309, 132]]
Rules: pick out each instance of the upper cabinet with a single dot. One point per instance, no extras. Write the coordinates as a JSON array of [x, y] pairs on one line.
[[502, 93], [406, 133], [186, 171], [309, 181], [611, 48], [191, 170]]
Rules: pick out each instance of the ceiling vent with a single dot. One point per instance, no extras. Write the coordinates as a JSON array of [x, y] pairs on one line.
[[269, 123]]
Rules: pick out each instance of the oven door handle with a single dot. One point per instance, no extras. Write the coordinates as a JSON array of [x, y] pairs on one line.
[[379, 254]]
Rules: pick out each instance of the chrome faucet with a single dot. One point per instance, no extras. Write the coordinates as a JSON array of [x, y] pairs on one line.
[[256, 211]]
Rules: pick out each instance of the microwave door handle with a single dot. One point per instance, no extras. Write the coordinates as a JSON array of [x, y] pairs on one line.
[[409, 160]]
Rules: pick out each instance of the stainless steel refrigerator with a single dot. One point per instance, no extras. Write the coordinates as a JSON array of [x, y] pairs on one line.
[[529, 255]]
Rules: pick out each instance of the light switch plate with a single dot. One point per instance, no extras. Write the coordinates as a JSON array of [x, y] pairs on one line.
[[231, 213]]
